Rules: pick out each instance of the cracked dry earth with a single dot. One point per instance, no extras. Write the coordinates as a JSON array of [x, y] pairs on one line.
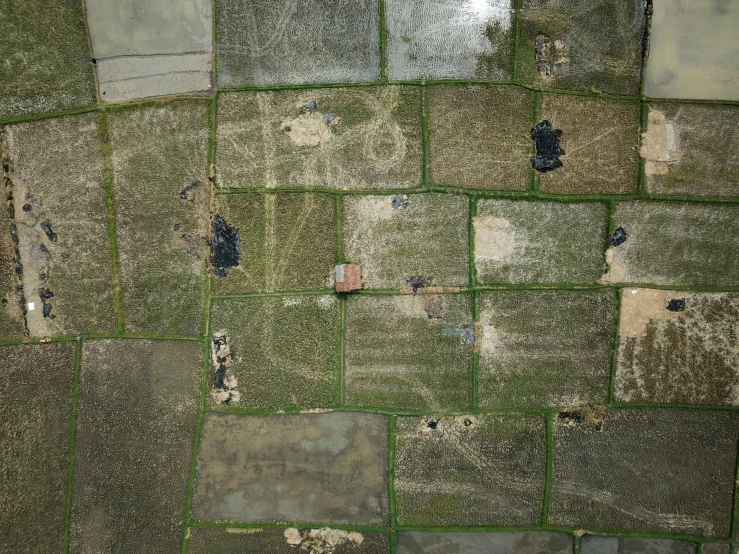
[[369, 277]]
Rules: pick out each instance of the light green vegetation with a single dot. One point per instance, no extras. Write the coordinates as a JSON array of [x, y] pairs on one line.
[[329, 468], [675, 243], [44, 58], [409, 352], [697, 145], [651, 470], [588, 45], [479, 136], [470, 470], [234, 540], [60, 212], [350, 138], [545, 348], [35, 416], [285, 350], [539, 242], [160, 178], [679, 357], [287, 242], [397, 237], [138, 404], [600, 139], [297, 41], [437, 40]]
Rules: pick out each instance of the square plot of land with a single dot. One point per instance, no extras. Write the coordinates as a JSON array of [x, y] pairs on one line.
[[62, 231], [479, 136], [328, 468], [528, 542], [403, 239], [235, 540], [275, 352], [150, 48], [450, 39], [585, 45], [600, 142], [338, 138], [470, 470], [651, 470], [410, 352], [675, 243], [285, 242], [45, 62], [692, 50], [267, 42], [678, 347], [138, 407], [539, 242], [35, 418], [691, 149], [545, 348], [162, 195]]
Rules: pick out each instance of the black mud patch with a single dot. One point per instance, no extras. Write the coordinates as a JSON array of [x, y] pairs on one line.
[[224, 385], [432, 423], [47, 310], [50, 234], [416, 282], [591, 416], [676, 305], [309, 106], [400, 201], [618, 237], [224, 248], [188, 193], [548, 150]]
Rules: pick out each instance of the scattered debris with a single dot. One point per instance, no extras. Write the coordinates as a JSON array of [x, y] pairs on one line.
[[321, 541], [466, 333], [348, 277], [433, 305], [400, 201], [467, 422], [224, 383], [592, 416], [417, 282], [224, 248], [618, 237], [676, 305], [551, 56], [331, 119], [9, 187], [46, 309], [308, 106], [50, 234], [27, 207], [547, 147], [188, 193]]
